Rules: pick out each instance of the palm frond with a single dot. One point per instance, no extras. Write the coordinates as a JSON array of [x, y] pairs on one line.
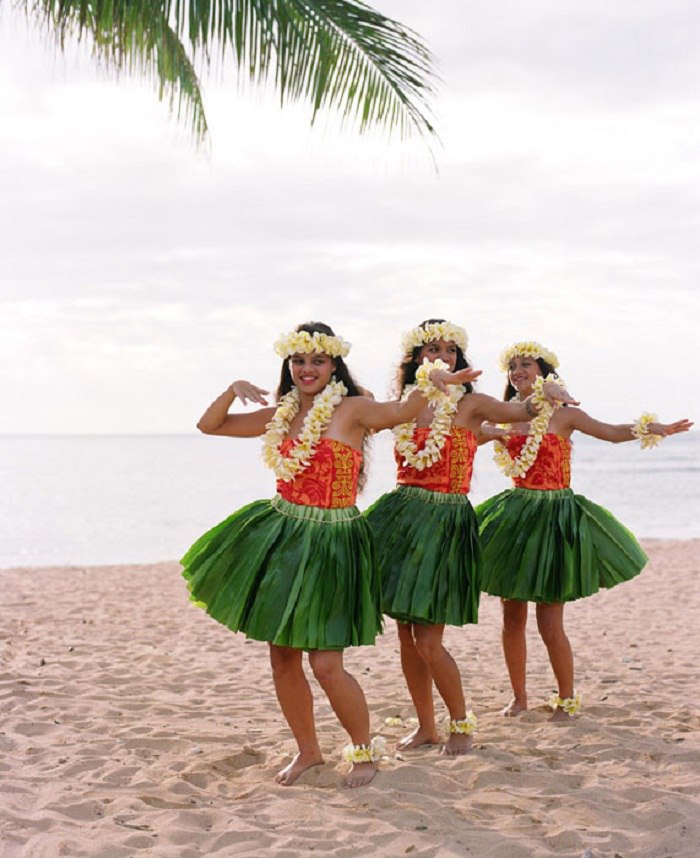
[[336, 54]]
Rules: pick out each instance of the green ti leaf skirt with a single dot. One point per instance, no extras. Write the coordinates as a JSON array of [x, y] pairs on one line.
[[296, 576], [427, 546], [553, 546]]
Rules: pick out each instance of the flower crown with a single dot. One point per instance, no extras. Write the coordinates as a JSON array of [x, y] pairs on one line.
[[529, 349], [433, 331], [302, 342]]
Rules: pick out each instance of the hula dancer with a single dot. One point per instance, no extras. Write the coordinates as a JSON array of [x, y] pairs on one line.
[[427, 545], [298, 571], [542, 543]]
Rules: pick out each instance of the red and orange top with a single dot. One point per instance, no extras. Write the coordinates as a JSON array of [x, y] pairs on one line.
[[552, 467], [330, 481], [452, 474]]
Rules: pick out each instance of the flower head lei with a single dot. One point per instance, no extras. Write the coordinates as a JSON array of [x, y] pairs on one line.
[[302, 342], [445, 408], [432, 332], [316, 420], [529, 349]]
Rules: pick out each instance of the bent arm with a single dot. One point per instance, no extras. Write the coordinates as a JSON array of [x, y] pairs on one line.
[[375, 416], [494, 411], [217, 421]]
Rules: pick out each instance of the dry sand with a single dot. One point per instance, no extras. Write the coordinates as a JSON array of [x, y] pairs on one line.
[[135, 725]]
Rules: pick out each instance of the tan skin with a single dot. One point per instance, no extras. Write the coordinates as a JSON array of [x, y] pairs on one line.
[[352, 419], [522, 373], [424, 659]]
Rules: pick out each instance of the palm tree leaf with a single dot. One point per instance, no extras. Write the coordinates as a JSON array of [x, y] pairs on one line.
[[337, 54]]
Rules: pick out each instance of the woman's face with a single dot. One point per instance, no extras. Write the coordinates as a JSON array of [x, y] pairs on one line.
[[444, 349], [522, 372], [311, 372]]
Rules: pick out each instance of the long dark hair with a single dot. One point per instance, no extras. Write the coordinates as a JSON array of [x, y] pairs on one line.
[[341, 373], [406, 370], [545, 368]]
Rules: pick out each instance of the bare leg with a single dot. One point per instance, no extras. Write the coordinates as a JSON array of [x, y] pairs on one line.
[[448, 681], [349, 704], [515, 652], [550, 622], [294, 695], [420, 686]]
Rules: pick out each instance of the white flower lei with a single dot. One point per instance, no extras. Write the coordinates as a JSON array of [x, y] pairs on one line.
[[440, 425], [316, 420], [529, 349], [302, 342], [433, 332], [466, 725], [371, 753], [570, 705], [640, 430], [538, 426]]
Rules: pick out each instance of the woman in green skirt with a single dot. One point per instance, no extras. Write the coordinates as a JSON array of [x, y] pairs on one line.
[[298, 571], [542, 543], [427, 535]]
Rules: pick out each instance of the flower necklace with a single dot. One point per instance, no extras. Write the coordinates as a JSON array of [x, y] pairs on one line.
[[519, 466], [316, 420], [437, 436]]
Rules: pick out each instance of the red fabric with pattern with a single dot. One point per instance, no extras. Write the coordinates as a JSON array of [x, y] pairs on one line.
[[330, 481], [552, 467], [452, 474]]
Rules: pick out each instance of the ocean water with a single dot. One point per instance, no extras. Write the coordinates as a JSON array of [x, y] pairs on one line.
[[96, 499]]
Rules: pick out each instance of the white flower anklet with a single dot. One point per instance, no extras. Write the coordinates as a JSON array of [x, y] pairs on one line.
[[570, 705]]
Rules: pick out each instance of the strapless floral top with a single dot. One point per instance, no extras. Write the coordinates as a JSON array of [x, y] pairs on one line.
[[330, 481], [452, 474], [552, 467]]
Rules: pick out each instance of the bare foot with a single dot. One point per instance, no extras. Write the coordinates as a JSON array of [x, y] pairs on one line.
[[560, 715], [360, 774], [458, 743], [301, 762], [418, 737], [515, 707]]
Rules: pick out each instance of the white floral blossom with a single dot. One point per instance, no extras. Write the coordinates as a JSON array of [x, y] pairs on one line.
[[570, 705], [519, 466], [529, 349], [432, 332], [371, 753], [641, 432], [465, 726], [440, 425], [316, 420], [302, 342]]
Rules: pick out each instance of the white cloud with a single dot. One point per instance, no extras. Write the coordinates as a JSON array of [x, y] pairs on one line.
[[139, 275]]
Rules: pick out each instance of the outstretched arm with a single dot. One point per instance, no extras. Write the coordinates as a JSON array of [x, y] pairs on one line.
[[217, 421], [376, 416], [616, 433]]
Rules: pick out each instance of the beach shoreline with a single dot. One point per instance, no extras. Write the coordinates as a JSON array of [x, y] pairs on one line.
[[134, 724]]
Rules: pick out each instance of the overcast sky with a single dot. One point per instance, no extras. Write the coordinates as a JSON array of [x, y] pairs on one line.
[[140, 276]]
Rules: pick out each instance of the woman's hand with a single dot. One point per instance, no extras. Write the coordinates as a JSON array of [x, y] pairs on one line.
[[441, 378], [247, 392], [554, 393], [669, 428]]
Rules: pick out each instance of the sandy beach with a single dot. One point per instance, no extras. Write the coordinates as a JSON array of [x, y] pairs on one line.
[[135, 725]]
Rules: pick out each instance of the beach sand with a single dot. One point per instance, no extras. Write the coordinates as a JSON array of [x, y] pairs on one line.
[[133, 724]]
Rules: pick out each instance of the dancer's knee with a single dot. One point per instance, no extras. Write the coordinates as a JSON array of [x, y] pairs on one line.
[[326, 666]]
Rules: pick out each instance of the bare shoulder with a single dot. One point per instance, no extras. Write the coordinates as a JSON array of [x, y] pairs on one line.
[[472, 403]]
